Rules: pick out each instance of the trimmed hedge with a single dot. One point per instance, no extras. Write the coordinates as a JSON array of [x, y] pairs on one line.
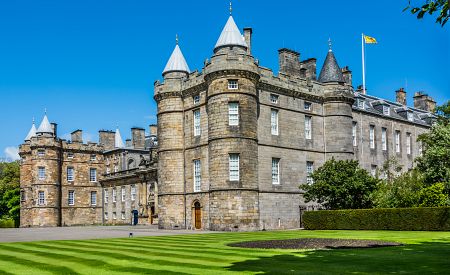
[[423, 218], [7, 223]]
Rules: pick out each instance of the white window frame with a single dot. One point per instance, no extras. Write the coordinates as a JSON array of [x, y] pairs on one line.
[[108, 170], [122, 215], [361, 103], [386, 110], [308, 127], [123, 194], [410, 116], [106, 192], [197, 175], [275, 171], [274, 98], [233, 84], [274, 122], [133, 192], [354, 131], [116, 168], [372, 136], [71, 198], [70, 174], [197, 123], [93, 174], [309, 171], [70, 155], [93, 198], [114, 195], [41, 173], [408, 143], [384, 139], [233, 113], [397, 141], [307, 106], [233, 167], [41, 152], [41, 197]]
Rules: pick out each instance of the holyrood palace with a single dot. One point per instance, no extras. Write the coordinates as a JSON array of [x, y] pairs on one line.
[[232, 144]]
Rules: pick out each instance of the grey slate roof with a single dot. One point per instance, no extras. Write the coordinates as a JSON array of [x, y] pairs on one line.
[[331, 72], [230, 36], [176, 62], [31, 133], [45, 126]]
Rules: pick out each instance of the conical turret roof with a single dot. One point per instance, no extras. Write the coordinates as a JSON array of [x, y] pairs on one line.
[[230, 36], [330, 70], [45, 126], [31, 133], [118, 142], [176, 62]]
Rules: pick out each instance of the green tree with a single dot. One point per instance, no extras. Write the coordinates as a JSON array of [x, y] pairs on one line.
[[9, 190], [400, 191], [435, 160], [433, 196], [341, 184], [439, 7]]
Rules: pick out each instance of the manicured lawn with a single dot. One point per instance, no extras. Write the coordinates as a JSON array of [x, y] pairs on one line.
[[425, 253]]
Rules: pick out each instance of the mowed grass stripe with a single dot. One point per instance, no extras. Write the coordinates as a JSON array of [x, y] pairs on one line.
[[152, 260], [88, 262], [6, 267]]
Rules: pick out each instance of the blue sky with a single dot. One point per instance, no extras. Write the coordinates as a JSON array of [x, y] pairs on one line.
[[92, 64]]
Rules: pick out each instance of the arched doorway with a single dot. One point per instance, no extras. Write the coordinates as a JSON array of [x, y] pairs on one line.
[[197, 215]]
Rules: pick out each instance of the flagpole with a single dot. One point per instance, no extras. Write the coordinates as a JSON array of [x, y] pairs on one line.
[[363, 64]]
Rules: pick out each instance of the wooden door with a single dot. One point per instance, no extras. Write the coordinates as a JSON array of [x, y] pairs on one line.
[[198, 215]]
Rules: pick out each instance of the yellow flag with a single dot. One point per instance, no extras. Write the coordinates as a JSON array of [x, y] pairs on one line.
[[369, 40]]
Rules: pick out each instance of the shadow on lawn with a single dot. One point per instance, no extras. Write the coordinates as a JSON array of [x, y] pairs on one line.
[[423, 258]]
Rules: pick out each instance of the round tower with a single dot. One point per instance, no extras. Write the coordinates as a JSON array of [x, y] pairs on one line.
[[171, 187], [232, 104], [338, 101]]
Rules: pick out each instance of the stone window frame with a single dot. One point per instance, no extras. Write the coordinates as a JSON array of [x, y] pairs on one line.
[[354, 133], [122, 215], [233, 84], [70, 176], [106, 216], [309, 171], [93, 175], [408, 143], [234, 166], [106, 195], [123, 194], [41, 173], [197, 124], [276, 178], [197, 175], [307, 106], [233, 113], [22, 195], [384, 139], [274, 122], [308, 127], [70, 155], [41, 197], [114, 216], [41, 152], [372, 137], [114, 195], [93, 157], [196, 99], [93, 198], [274, 98], [397, 142], [373, 170], [71, 198], [133, 192]]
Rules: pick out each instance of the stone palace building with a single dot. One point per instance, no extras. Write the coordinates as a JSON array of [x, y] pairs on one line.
[[233, 143]]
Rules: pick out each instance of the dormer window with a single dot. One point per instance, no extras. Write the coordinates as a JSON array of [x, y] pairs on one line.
[[361, 103], [196, 99], [233, 84], [274, 99], [410, 116], [386, 110]]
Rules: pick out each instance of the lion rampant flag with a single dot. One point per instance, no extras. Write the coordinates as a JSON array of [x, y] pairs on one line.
[[369, 40]]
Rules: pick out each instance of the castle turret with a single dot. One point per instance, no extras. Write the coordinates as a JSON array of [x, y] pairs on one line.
[[232, 105], [338, 100], [171, 183]]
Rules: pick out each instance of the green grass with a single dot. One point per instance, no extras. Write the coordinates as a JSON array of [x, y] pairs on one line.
[[424, 253]]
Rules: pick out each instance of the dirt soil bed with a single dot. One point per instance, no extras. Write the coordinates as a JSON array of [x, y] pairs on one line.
[[314, 244]]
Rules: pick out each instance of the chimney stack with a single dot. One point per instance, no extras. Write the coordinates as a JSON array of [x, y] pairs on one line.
[[309, 65], [248, 39], [128, 143], [55, 129], [138, 137], [289, 62], [153, 130], [424, 102], [107, 139], [347, 75], [400, 96], [77, 136]]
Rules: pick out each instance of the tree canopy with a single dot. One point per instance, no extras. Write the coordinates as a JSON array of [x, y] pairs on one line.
[[9, 190], [341, 184], [439, 7]]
